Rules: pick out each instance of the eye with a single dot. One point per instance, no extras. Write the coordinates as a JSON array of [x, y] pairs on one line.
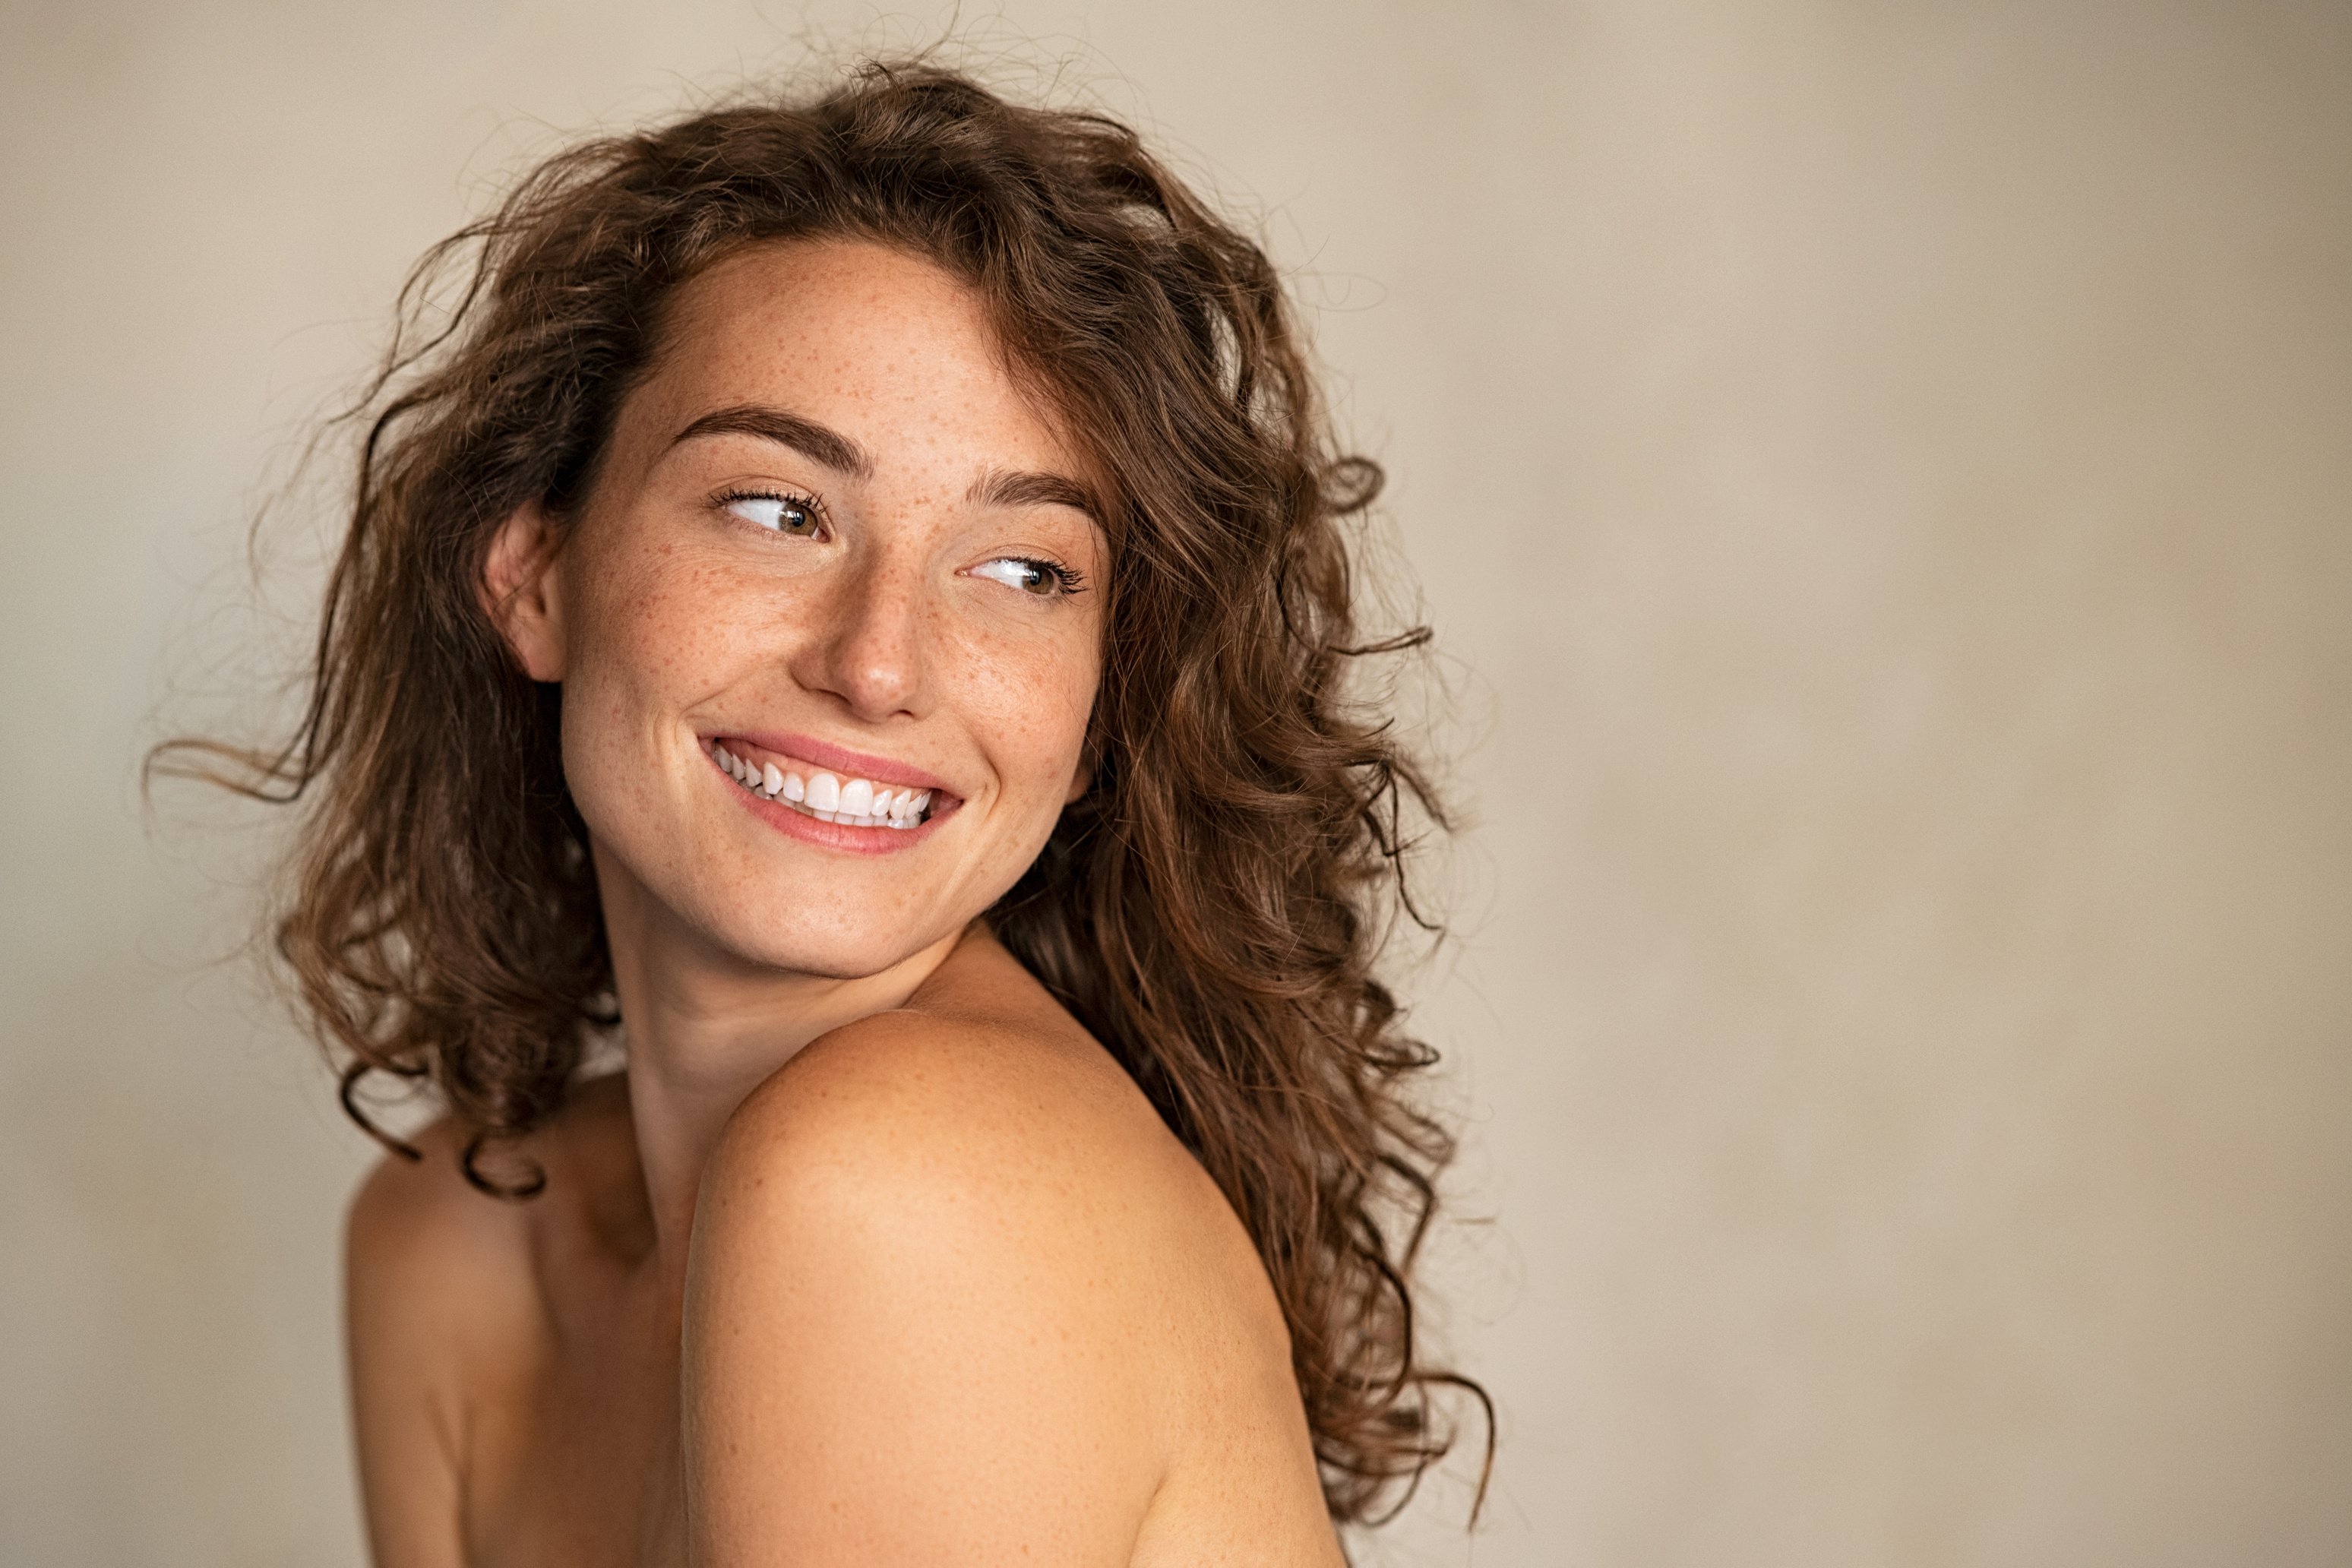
[[1042, 579], [779, 514]]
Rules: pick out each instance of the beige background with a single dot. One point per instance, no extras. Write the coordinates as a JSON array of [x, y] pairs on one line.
[[1880, 474]]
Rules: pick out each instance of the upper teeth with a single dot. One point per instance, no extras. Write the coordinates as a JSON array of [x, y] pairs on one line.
[[860, 803]]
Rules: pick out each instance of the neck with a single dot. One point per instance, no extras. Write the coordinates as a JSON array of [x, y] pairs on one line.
[[704, 1027]]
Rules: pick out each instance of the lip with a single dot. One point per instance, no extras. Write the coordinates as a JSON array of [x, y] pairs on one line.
[[843, 836], [837, 759]]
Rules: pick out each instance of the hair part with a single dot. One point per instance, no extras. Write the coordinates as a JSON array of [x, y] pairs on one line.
[[1212, 906]]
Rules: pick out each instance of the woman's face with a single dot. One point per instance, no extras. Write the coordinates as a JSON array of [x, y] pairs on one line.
[[833, 548]]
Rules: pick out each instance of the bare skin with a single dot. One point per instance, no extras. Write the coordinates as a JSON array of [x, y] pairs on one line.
[[872, 1256]]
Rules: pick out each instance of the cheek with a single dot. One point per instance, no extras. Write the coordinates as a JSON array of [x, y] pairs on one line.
[[656, 628], [1031, 697], [654, 632]]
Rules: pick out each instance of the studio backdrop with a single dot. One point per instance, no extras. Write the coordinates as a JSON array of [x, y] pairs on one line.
[[1878, 476]]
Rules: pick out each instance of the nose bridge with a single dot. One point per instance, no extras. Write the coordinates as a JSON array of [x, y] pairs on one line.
[[873, 653]]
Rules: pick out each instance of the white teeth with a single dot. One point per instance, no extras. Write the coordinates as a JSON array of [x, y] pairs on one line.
[[859, 802]]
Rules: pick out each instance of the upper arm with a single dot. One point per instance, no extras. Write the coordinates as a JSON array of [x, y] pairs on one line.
[[906, 1333], [412, 1262]]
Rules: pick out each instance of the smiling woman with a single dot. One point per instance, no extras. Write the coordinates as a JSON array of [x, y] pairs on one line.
[[855, 602], [809, 548]]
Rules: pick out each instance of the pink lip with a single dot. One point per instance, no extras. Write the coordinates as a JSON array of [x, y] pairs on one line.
[[839, 759], [845, 836]]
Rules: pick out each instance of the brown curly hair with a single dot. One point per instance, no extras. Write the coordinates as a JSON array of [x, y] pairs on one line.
[[1211, 907]]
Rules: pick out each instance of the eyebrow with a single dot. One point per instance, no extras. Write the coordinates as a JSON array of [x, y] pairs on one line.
[[807, 437], [1005, 487], [1001, 487]]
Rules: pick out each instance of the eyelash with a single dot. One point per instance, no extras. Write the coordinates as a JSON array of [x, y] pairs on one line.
[[813, 505], [1071, 579]]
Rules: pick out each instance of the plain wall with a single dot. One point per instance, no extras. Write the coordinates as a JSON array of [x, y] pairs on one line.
[[1879, 476]]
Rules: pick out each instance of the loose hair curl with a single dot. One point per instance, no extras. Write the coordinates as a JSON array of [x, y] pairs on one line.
[[1211, 907]]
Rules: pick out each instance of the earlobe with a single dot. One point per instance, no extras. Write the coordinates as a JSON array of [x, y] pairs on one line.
[[521, 591]]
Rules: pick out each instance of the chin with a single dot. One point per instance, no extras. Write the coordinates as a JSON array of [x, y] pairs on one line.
[[827, 953], [824, 921]]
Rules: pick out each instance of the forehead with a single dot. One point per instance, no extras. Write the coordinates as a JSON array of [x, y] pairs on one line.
[[884, 345]]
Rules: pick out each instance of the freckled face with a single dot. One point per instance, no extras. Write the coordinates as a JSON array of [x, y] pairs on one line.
[[830, 535]]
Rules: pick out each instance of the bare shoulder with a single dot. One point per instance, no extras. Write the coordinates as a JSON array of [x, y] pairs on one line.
[[980, 1104], [954, 1219], [422, 1217], [422, 1243], [442, 1306], [432, 1271]]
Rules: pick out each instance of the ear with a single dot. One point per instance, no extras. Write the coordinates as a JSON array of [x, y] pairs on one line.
[[521, 591]]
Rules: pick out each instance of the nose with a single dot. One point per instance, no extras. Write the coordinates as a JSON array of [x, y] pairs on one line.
[[869, 649]]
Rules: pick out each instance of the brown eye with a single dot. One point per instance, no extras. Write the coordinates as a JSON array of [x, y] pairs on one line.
[[777, 514], [1041, 578]]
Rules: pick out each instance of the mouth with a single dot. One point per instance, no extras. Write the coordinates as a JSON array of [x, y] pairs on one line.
[[850, 800]]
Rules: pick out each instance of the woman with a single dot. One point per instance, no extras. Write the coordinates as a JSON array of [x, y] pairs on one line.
[[850, 603]]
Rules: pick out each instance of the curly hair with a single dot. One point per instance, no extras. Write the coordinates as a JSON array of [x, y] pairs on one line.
[[1211, 907]]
